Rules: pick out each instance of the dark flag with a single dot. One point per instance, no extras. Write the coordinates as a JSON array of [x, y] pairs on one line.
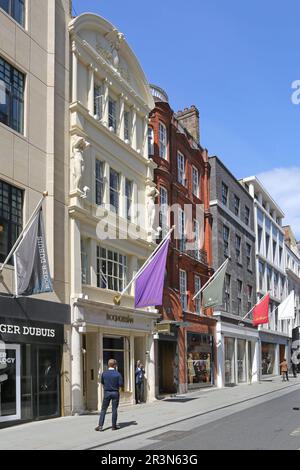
[[32, 274]]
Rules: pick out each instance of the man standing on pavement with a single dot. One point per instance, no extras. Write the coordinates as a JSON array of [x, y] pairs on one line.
[[112, 381]]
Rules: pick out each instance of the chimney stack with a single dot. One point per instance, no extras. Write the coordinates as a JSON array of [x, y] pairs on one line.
[[189, 119]]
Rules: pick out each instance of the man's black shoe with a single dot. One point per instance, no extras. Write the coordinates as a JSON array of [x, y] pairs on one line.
[[98, 428], [115, 428]]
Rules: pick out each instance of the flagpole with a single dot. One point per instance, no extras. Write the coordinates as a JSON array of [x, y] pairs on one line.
[[118, 297], [45, 194], [250, 311], [211, 279]]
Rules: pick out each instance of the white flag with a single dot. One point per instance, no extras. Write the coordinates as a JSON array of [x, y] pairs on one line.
[[286, 309]]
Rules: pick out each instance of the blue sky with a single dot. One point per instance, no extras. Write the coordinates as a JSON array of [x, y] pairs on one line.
[[235, 61]]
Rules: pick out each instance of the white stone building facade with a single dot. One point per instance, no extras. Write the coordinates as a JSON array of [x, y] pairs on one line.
[[270, 276], [110, 174]]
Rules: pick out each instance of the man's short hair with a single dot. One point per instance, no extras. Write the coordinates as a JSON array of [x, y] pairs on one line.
[[112, 363]]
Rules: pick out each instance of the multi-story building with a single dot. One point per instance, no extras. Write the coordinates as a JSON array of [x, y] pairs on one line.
[[34, 80], [111, 185], [293, 278], [270, 275], [233, 238], [185, 352]]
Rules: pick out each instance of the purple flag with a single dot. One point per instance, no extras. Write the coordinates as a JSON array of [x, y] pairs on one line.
[[150, 283]]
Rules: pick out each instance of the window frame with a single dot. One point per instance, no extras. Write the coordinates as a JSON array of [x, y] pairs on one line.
[[112, 114], [164, 209], [99, 182], [9, 77], [114, 191], [238, 248], [197, 285], [150, 140], [227, 293], [113, 279], [12, 13], [182, 227], [129, 200], [98, 101], [239, 297], [196, 184], [226, 230], [183, 292], [163, 140], [84, 253], [249, 256], [247, 215], [181, 168], [225, 192], [12, 226], [236, 205], [127, 125]]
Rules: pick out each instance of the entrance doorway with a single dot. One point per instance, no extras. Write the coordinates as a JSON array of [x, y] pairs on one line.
[[168, 367], [40, 382], [46, 382]]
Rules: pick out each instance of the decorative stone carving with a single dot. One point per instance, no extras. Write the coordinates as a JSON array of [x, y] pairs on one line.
[[151, 193], [114, 39], [78, 147], [110, 52]]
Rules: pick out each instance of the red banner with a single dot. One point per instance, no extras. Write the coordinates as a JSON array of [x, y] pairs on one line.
[[261, 311]]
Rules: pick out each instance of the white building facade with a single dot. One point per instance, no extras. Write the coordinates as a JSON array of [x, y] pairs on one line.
[[270, 276], [110, 175]]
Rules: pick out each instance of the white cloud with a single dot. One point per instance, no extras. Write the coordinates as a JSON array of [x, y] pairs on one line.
[[283, 184]]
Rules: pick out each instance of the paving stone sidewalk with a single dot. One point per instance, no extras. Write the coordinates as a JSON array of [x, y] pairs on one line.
[[77, 432]]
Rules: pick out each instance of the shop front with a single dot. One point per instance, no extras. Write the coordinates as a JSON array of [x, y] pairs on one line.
[[237, 352], [102, 332], [274, 348], [31, 359], [200, 360]]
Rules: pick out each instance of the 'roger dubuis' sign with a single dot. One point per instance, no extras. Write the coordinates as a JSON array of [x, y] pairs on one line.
[[19, 331]]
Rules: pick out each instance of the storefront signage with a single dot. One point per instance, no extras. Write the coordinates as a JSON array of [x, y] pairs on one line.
[[119, 318], [19, 331], [4, 360]]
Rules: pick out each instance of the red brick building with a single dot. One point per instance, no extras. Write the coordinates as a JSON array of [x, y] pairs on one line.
[[185, 355]]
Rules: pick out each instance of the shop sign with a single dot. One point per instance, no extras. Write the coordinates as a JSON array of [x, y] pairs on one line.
[[19, 331], [120, 318], [163, 328]]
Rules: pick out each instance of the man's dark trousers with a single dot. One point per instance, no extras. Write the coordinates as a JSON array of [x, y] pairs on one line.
[[114, 397]]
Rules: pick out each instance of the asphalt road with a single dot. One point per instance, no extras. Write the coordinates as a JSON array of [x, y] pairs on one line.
[[272, 425]]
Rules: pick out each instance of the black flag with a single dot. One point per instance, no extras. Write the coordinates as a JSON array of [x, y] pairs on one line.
[[32, 274]]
